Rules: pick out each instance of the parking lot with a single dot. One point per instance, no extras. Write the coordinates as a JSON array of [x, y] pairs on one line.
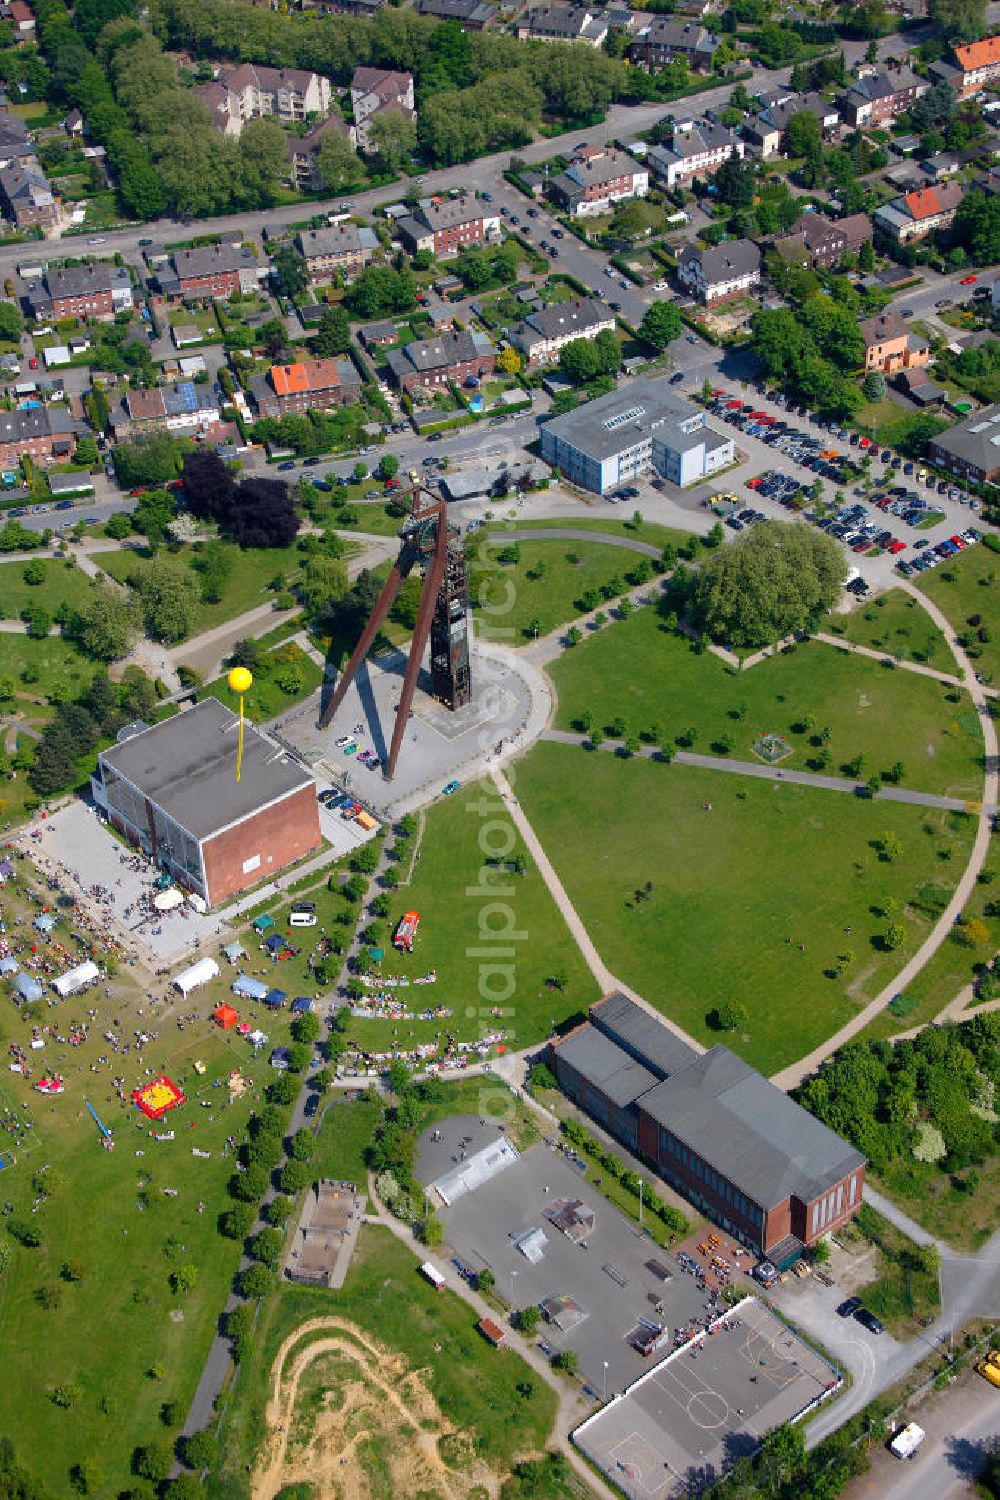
[[604, 1283], [687, 1420]]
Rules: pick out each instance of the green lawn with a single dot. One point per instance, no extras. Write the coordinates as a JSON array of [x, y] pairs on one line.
[[507, 1412], [121, 1320], [267, 697], [51, 664], [657, 683], [737, 888], [646, 531], [246, 584], [896, 624], [514, 602], [967, 588], [64, 583]]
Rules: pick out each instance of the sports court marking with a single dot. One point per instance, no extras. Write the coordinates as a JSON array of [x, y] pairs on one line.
[[647, 1471]]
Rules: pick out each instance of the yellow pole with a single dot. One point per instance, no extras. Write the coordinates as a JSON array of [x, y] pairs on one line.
[[239, 747], [239, 680]]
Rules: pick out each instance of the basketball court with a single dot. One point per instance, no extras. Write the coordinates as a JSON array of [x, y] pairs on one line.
[[679, 1427]]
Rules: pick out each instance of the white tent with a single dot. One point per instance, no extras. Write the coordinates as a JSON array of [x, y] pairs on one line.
[[167, 900], [76, 979], [199, 973]]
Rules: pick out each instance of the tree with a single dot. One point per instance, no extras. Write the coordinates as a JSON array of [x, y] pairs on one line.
[[333, 336], [10, 322], [153, 1461], [608, 352], [107, 624], [485, 1280], [184, 1279], [770, 582], [237, 1222], [337, 163], [731, 1015], [303, 1144], [866, 256], [201, 1448], [661, 324], [267, 1245], [388, 466], [578, 360], [528, 1319], [977, 226], [149, 460], [263, 514], [251, 1184], [293, 1177], [959, 20], [168, 597], [86, 447], [874, 386], [432, 1232], [509, 361], [291, 274], [392, 136], [894, 936], [802, 134], [565, 1362]]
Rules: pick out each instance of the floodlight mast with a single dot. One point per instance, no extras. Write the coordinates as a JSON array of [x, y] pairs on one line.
[[427, 541]]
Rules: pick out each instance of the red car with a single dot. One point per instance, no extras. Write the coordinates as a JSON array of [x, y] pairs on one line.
[[865, 443], [137, 492], [33, 363], [392, 484], [959, 542], [897, 547], [967, 281], [753, 484]]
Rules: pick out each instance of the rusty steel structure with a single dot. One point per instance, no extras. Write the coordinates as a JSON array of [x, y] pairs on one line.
[[426, 541]]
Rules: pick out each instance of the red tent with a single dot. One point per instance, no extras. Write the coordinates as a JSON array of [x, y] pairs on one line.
[[225, 1016]]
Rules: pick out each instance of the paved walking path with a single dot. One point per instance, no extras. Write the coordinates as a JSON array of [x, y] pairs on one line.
[[767, 773], [887, 656], [790, 1077], [606, 980], [576, 534]]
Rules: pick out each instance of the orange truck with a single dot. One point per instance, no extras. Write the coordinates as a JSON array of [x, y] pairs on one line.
[[406, 931]]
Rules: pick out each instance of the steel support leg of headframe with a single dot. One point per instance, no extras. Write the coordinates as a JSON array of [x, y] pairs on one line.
[[425, 615], [386, 600]]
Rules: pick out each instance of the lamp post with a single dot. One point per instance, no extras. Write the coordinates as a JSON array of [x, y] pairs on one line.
[[641, 1185], [604, 1383], [513, 1278]]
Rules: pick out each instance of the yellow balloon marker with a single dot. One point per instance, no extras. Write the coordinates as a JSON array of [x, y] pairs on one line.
[[240, 681]]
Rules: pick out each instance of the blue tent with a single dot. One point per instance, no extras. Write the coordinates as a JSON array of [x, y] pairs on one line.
[[263, 923], [44, 923], [29, 989], [250, 989], [275, 999], [9, 965], [234, 951], [301, 1004]]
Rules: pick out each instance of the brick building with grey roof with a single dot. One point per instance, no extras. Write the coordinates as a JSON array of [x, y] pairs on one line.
[[713, 1127]]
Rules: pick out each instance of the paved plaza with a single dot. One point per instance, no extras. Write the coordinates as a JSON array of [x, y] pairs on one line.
[[687, 1420], [509, 709]]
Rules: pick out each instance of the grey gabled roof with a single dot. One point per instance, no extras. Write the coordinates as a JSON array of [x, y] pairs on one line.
[[339, 239], [597, 1059], [724, 262], [976, 442], [642, 1034], [749, 1131], [85, 279], [442, 350], [565, 317]]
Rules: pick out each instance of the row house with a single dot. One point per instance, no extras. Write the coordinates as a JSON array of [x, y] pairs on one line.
[[471, 15], [916, 215], [184, 408], [719, 272], [345, 7], [20, 18], [306, 385], [890, 346], [343, 248], [97, 289], [563, 23], [817, 243], [765, 133], [444, 228], [212, 271], [375, 89], [879, 98], [976, 64], [437, 362], [543, 333], [16, 148], [251, 91], [665, 41], [38, 433], [596, 179], [695, 150]]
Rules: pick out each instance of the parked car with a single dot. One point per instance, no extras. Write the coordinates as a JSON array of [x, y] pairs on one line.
[[868, 1320]]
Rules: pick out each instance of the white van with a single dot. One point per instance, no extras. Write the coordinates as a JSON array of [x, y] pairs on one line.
[[303, 915]]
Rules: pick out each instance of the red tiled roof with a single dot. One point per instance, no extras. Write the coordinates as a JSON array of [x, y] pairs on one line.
[[308, 375], [978, 54], [923, 203]]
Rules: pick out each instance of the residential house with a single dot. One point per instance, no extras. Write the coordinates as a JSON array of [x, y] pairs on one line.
[[890, 346], [942, 166], [375, 89], [20, 18], [719, 272], [38, 432], [663, 41], [696, 149], [94, 289], [472, 15], [452, 225], [302, 152], [26, 195], [544, 332], [436, 362], [252, 92], [212, 271], [183, 408], [917, 214], [972, 449], [813, 242], [857, 231], [640, 427], [596, 179], [345, 7], [308, 384], [563, 23], [976, 64], [880, 97], [16, 148], [920, 388], [346, 248], [378, 335]]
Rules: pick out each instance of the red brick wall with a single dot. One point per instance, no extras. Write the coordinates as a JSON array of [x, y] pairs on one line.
[[280, 835], [777, 1223], [802, 1215]]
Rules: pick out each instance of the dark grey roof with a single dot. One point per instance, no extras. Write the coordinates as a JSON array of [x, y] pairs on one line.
[[440, 351], [340, 239], [86, 279], [641, 1034], [724, 262], [34, 422], [748, 1130], [568, 317], [186, 766], [597, 1059], [975, 442], [213, 260]]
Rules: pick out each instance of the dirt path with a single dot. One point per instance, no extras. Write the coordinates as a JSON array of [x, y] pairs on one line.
[[385, 1400]]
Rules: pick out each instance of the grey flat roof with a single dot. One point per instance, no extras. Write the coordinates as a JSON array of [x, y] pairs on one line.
[[623, 418], [638, 1031], [187, 766], [749, 1131], [604, 1064]]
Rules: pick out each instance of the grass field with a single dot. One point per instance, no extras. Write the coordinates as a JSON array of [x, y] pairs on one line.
[[58, 665], [106, 1332], [903, 1293], [968, 587], [896, 624], [64, 583], [266, 697], [754, 898], [245, 587], [544, 588], [646, 531], [654, 680]]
